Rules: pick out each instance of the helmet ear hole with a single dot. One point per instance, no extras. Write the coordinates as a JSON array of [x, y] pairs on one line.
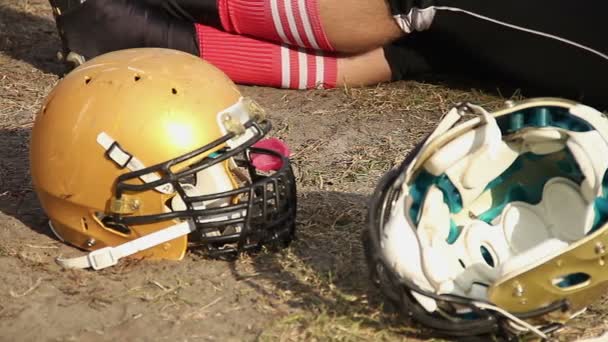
[[571, 281], [487, 256], [108, 223]]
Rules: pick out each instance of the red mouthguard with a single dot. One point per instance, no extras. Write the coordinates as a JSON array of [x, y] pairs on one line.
[[267, 162]]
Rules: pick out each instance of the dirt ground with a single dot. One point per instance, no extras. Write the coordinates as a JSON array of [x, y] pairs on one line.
[[317, 289]]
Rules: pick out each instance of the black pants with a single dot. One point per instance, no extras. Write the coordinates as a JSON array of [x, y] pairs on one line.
[[545, 47]]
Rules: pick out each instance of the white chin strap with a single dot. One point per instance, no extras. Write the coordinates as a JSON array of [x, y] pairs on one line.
[[123, 158], [109, 256]]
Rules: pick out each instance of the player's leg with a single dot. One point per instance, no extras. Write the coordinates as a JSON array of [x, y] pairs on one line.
[[248, 60], [344, 26], [329, 25], [196, 11], [554, 48], [114, 25], [368, 68], [350, 26]]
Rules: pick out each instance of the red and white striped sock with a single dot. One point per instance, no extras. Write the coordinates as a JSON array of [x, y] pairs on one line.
[[293, 22], [252, 61]]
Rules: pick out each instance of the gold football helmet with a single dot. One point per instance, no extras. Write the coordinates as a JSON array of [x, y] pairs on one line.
[[498, 224], [145, 152]]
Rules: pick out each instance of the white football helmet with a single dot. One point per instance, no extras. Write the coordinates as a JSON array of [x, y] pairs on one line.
[[496, 225]]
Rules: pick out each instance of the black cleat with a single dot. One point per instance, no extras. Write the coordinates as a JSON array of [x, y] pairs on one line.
[[61, 8], [94, 27]]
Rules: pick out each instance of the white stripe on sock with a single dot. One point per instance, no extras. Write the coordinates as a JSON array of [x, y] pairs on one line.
[[285, 67], [307, 26], [320, 70], [303, 63], [276, 19], [292, 23]]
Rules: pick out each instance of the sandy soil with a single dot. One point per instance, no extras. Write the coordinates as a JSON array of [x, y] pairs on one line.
[[317, 289]]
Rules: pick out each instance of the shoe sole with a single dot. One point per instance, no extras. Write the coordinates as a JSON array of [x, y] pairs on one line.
[[70, 58]]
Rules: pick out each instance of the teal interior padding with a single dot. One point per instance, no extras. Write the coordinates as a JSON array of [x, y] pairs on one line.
[[451, 197], [516, 193], [450, 193], [567, 166], [454, 232], [529, 193], [420, 187], [417, 191], [542, 117], [516, 122], [516, 166], [519, 190]]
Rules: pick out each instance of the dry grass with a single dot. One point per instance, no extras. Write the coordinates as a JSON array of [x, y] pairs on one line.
[[371, 131], [330, 312], [316, 290]]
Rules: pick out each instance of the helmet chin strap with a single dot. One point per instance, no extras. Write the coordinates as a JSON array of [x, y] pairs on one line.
[[525, 325], [109, 256], [124, 159]]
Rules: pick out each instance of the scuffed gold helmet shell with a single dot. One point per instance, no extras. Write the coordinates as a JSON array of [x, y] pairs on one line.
[[134, 109]]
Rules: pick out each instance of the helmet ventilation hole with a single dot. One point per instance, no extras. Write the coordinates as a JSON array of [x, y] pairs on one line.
[[136, 78], [174, 91], [84, 224], [87, 79]]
